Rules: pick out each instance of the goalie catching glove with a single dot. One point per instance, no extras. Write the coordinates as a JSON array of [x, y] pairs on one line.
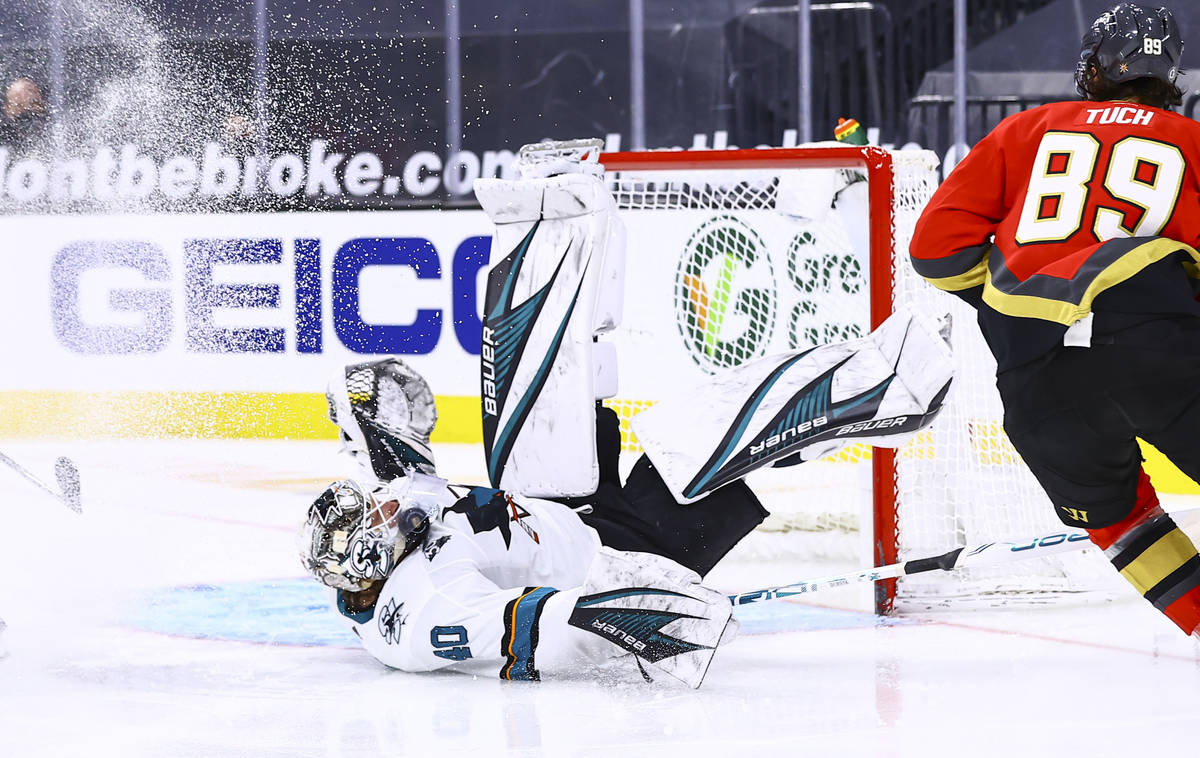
[[385, 413]]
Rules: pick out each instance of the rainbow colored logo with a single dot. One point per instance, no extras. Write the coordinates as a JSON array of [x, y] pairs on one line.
[[725, 298]]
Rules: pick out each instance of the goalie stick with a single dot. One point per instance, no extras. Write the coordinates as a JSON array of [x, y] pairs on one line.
[[65, 473], [987, 554]]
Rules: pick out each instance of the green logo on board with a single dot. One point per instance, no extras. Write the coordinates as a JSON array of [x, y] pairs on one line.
[[725, 299]]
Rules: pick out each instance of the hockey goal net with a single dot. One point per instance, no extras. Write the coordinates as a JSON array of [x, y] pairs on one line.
[[733, 255]]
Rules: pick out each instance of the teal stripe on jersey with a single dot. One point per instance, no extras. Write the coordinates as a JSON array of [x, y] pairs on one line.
[[519, 644]]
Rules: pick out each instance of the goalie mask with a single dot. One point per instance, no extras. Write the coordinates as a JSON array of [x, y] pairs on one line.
[[353, 537]]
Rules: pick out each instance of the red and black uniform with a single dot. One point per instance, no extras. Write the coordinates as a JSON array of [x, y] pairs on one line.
[[1073, 229], [979, 235]]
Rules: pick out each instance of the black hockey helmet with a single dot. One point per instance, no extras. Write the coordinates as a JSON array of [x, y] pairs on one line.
[[1130, 42]]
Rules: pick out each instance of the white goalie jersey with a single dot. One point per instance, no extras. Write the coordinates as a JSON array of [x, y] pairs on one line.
[[501, 588]]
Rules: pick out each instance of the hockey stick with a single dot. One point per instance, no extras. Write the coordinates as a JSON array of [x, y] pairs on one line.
[[65, 473], [988, 554]]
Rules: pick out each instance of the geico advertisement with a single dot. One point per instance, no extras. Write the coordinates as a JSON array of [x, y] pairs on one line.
[[240, 302]]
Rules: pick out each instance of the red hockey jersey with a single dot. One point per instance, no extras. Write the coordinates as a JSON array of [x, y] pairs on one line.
[[1057, 211]]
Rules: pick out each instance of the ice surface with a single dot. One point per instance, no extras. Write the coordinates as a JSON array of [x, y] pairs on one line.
[[172, 619]]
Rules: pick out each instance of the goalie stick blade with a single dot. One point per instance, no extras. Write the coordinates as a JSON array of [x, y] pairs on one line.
[[67, 475]]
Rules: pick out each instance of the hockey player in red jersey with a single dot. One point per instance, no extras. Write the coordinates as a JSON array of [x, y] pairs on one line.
[[1073, 229]]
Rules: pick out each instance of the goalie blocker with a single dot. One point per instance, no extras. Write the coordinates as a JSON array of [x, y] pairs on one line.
[[787, 409]]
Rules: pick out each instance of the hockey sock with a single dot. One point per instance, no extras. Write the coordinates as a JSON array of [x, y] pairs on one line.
[[1157, 558]]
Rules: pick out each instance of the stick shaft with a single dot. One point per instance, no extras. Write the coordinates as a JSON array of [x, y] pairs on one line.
[[25, 473], [987, 554]]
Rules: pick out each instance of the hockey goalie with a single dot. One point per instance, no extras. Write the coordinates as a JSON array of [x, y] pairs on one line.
[[560, 565]]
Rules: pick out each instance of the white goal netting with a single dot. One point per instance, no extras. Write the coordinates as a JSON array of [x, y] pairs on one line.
[[725, 265]]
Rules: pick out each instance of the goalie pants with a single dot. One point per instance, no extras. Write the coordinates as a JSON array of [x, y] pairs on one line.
[[1074, 417], [642, 515]]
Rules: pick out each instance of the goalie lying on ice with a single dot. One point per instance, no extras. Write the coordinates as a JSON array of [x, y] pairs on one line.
[[479, 580], [433, 576]]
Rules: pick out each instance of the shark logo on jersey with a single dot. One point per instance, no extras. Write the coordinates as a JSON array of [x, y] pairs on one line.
[[431, 549], [486, 509], [391, 621]]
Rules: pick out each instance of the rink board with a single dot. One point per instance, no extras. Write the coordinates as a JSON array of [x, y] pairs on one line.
[[228, 326]]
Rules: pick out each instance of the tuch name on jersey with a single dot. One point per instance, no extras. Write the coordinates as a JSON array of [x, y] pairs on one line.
[[1120, 114]]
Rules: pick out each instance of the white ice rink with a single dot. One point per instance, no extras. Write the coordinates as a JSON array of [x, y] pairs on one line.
[[173, 620]]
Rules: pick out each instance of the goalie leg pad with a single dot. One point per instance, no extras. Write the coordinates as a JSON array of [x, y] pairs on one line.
[[781, 410], [545, 302], [656, 609]]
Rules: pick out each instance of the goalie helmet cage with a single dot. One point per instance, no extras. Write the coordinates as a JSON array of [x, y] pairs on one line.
[[763, 251]]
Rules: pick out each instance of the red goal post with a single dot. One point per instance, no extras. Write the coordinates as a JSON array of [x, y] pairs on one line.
[[878, 165], [736, 208]]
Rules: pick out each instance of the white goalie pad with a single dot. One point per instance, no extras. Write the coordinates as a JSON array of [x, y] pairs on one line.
[[787, 409], [555, 284], [655, 609]]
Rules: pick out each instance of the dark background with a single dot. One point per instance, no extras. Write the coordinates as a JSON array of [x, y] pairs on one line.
[[370, 76]]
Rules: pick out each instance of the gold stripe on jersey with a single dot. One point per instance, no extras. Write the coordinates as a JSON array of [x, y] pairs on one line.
[[510, 625], [965, 281], [1055, 300], [963, 265], [1158, 561]]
